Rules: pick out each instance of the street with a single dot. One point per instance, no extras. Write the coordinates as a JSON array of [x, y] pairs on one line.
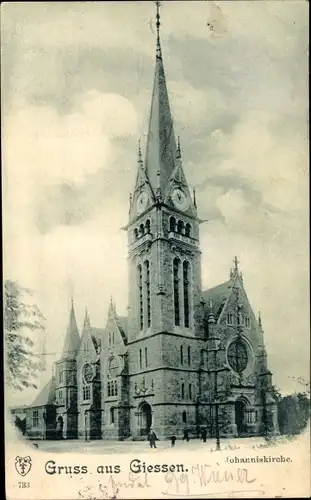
[[120, 447]]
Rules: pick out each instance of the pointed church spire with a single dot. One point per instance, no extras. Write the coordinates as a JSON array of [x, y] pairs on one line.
[[72, 339], [161, 144]]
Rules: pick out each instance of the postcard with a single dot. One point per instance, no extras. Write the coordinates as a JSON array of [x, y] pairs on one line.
[[155, 231]]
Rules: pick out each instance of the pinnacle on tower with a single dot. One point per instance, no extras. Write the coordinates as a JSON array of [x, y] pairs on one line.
[[194, 199], [259, 320], [211, 318], [72, 339], [87, 321]]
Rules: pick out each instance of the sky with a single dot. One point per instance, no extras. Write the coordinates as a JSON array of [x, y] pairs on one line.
[[76, 89]]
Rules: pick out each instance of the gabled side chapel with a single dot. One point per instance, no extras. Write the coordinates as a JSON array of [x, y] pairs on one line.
[[181, 350]]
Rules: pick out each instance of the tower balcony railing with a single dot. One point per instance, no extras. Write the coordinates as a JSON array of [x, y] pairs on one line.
[[142, 239], [172, 235]]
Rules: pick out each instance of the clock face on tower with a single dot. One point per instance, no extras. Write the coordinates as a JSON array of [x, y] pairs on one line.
[[142, 201], [180, 199]]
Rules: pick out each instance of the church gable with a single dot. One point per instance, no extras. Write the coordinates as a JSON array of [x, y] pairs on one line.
[[87, 351], [115, 334]]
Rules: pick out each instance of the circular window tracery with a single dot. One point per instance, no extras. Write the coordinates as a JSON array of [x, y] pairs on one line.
[[237, 356]]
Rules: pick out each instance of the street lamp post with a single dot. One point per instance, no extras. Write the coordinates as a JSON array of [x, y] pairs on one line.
[[216, 415]]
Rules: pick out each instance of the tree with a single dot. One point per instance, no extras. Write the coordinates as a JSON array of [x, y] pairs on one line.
[[293, 413], [21, 321]]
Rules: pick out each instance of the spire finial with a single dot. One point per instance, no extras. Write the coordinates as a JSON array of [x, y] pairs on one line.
[[236, 263], [158, 24]]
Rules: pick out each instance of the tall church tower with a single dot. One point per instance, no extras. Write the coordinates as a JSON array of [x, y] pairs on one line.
[[164, 271]]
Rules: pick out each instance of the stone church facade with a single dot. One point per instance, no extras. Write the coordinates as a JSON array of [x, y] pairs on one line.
[[182, 352]]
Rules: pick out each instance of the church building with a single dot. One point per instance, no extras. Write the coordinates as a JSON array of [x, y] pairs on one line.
[[184, 357]]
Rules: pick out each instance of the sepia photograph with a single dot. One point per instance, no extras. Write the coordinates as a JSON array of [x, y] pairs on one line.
[[156, 249]]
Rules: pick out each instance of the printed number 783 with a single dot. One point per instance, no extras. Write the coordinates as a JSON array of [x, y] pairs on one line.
[[22, 484]]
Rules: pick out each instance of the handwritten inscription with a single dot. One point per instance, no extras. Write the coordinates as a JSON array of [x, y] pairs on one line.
[[201, 476]]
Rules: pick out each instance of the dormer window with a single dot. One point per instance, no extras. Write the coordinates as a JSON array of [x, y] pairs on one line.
[[247, 322]]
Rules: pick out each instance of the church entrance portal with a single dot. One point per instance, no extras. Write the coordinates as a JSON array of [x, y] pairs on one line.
[[240, 409], [145, 418]]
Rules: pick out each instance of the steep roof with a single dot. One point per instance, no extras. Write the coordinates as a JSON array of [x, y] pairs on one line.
[[72, 340], [46, 396], [97, 335], [122, 325], [218, 295]]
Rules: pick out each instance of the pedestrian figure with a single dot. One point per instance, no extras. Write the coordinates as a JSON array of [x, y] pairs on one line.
[[203, 435], [152, 438], [173, 440], [186, 435]]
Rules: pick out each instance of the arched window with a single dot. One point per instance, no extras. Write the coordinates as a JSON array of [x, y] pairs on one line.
[[109, 389], [183, 391], [140, 291], [112, 388], [172, 224], [141, 230], [147, 226], [190, 391], [112, 338], [176, 265], [184, 417], [180, 227], [189, 356], [230, 319], [112, 416], [181, 355], [109, 339], [136, 233], [115, 388], [186, 292], [147, 271], [140, 359], [188, 230]]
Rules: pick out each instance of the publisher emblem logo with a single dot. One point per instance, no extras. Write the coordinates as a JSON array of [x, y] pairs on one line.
[[23, 465]]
